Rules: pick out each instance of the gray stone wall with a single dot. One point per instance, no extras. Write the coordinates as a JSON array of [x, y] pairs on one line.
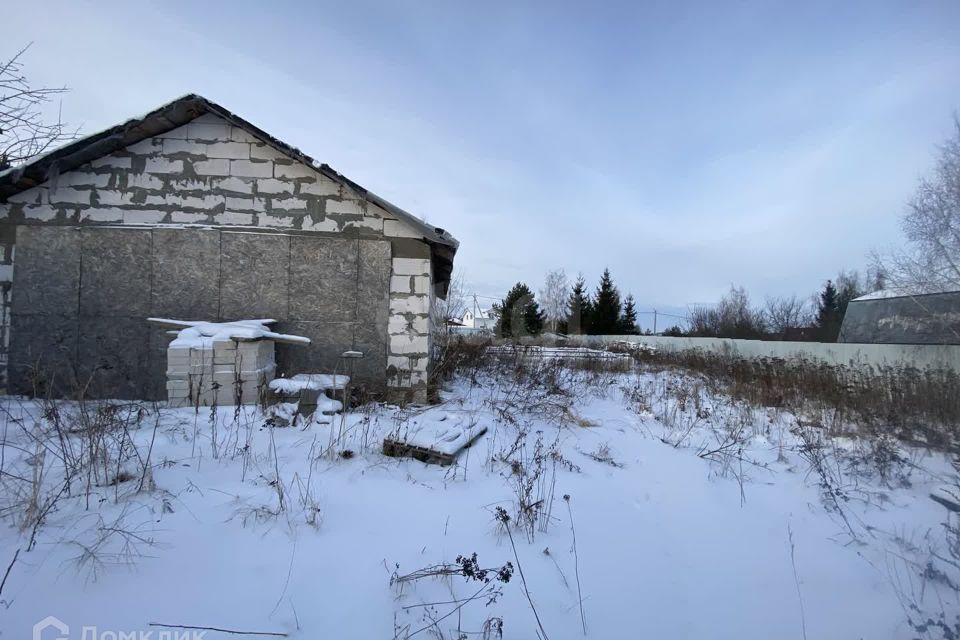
[[211, 175], [84, 293], [923, 319]]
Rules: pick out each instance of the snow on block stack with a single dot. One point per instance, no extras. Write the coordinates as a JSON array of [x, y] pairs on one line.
[[223, 363]]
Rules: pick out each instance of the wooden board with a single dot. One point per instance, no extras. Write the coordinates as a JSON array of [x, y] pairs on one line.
[[399, 449]]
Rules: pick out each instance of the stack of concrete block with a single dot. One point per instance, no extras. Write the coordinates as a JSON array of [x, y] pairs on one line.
[[219, 371]]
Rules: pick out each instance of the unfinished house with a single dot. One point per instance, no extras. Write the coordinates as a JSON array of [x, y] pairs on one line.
[[191, 212]]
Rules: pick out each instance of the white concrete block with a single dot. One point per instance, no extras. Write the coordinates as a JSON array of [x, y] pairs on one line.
[[188, 218], [81, 179], [180, 133], [276, 222], [288, 204], [245, 204], [229, 150], [201, 202], [297, 170], [188, 185], [400, 345], [401, 284], [209, 132], [398, 324], [322, 187], [172, 145], [42, 212], [410, 284], [68, 195], [144, 181], [215, 167], [36, 195], [102, 215], [411, 266], [164, 165], [239, 134], [111, 198], [367, 222], [397, 229], [236, 185], [419, 305], [327, 224], [266, 152], [271, 185], [346, 206], [233, 217], [143, 216], [251, 169]]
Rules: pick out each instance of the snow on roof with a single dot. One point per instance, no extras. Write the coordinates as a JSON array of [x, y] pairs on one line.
[[898, 292]]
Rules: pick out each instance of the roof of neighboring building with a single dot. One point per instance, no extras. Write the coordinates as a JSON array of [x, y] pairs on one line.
[[886, 294], [178, 113]]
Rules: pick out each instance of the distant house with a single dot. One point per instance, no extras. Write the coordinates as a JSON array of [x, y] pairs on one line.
[[896, 317], [479, 319], [193, 213]]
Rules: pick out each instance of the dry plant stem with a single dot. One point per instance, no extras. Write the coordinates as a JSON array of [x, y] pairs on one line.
[[526, 591], [276, 634], [576, 565], [6, 574], [796, 581]]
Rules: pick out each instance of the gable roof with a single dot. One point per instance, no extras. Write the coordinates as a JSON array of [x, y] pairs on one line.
[[178, 113]]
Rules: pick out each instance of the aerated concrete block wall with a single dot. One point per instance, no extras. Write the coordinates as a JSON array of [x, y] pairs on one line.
[[210, 174]]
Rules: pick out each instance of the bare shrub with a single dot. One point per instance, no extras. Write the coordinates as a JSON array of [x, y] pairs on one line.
[[919, 406], [490, 581]]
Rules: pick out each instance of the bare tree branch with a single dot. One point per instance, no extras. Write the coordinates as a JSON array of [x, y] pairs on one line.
[[26, 129]]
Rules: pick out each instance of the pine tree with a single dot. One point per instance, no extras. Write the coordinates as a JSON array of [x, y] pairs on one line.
[[828, 313], [628, 319], [605, 315], [578, 308], [519, 313]]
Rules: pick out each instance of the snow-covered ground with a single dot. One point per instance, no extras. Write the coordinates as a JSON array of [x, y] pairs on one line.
[[694, 515]]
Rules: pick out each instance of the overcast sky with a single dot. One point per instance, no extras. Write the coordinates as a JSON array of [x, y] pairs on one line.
[[685, 145]]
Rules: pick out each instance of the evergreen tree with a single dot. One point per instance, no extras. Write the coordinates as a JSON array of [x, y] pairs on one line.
[[519, 313], [605, 315], [828, 313], [628, 319], [578, 308]]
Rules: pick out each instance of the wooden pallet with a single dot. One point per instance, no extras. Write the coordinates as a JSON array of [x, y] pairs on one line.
[[400, 449]]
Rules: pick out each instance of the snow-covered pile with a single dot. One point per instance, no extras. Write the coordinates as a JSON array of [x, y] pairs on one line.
[[311, 381], [633, 504]]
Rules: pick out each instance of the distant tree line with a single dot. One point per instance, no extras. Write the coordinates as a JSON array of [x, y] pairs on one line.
[[565, 309], [815, 318]]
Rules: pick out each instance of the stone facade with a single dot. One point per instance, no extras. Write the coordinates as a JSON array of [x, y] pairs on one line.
[[219, 177]]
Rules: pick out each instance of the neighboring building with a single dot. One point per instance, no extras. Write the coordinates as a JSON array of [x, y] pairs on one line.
[[479, 319], [191, 212], [894, 317]]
